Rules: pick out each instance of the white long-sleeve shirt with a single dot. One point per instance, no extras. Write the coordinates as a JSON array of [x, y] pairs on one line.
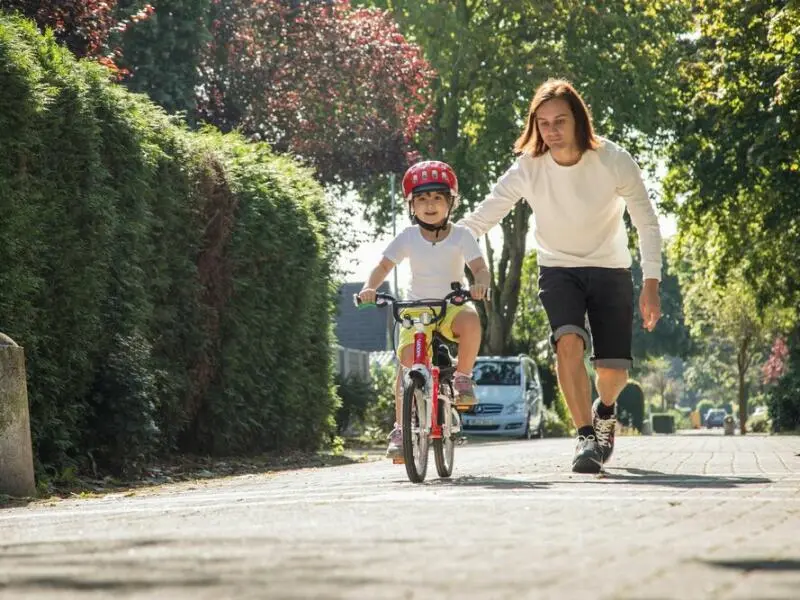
[[579, 209]]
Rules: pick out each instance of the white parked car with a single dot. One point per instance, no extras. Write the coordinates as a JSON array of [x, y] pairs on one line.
[[509, 398]]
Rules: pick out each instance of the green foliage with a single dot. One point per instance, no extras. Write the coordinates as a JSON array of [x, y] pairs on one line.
[[121, 430], [531, 330], [783, 401], [682, 418], [630, 405], [557, 420], [759, 423], [728, 322], [554, 426], [275, 334], [356, 396], [144, 269], [163, 52], [735, 160], [671, 335], [380, 415]]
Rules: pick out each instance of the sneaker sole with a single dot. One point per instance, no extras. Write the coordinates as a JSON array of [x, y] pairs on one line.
[[587, 465]]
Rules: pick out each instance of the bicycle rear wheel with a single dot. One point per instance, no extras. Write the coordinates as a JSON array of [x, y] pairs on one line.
[[415, 440]]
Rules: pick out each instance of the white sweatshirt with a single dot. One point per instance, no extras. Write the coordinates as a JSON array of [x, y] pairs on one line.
[[578, 209]]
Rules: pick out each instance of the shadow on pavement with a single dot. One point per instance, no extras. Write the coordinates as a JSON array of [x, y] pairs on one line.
[[160, 568], [678, 480], [496, 483], [754, 564], [77, 584]]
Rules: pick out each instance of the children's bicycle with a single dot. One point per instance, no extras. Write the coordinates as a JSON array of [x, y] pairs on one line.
[[429, 409]]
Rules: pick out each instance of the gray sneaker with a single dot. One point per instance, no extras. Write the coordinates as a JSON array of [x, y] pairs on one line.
[[588, 457], [395, 449], [605, 429]]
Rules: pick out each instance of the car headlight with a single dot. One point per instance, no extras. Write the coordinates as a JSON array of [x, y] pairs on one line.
[[515, 408]]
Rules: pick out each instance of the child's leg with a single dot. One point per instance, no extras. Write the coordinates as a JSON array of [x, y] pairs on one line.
[[467, 331]]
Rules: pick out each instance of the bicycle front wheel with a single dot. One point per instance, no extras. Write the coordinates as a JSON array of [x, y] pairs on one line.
[[415, 439], [444, 448]]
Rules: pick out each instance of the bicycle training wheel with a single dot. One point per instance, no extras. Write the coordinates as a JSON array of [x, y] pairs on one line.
[[444, 448], [415, 440]]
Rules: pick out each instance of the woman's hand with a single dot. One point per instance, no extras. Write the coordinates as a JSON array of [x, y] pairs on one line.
[[482, 278], [650, 304], [477, 291]]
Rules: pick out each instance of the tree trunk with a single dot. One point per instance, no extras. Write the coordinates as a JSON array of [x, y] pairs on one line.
[[742, 363], [502, 308], [742, 404]]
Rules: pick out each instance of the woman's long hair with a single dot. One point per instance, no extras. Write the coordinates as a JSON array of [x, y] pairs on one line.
[[531, 140]]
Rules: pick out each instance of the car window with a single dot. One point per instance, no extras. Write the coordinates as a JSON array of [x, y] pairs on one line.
[[496, 373]]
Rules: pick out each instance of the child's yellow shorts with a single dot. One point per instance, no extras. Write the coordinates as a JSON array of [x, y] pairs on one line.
[[444, 327]]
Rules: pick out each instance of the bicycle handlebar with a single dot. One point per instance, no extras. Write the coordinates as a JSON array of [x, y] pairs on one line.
[[457, 297]]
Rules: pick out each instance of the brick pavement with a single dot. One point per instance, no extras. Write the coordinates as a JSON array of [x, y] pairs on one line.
[[686, 516]]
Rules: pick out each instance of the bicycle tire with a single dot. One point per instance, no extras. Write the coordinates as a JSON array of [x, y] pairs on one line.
[[416, 467], [444, 449]]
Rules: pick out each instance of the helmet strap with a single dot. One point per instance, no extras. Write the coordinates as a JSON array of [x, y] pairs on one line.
[[437, 228]]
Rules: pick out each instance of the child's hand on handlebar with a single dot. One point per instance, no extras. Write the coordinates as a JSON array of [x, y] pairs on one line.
[[367, 296], [478, 291]]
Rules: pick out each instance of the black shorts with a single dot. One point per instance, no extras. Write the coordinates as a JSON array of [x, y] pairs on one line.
[[570, 294]]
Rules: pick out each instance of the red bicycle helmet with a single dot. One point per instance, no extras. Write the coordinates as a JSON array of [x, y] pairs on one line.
[[429, 176]]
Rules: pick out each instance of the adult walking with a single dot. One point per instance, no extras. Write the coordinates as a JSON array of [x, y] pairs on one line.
[[579, 185]]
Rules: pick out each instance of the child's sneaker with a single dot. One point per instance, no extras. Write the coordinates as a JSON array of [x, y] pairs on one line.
[[465, 391], [395, 449]]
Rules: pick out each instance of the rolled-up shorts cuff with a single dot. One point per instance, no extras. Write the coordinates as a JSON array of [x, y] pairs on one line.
[[565, 329], [623, 364]]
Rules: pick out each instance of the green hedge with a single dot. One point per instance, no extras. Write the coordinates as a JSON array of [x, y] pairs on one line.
[[172, 289], [630, 405]]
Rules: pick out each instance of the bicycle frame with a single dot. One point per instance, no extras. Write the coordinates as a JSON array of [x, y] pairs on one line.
[[424, 366]]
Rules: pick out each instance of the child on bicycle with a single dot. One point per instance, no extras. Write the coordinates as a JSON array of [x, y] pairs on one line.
[[437, 251]]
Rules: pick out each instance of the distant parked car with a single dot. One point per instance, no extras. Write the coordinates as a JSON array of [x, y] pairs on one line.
[[509, 398], [715, 417]]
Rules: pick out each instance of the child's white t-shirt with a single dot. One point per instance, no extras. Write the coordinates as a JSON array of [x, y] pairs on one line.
[[434, 265]]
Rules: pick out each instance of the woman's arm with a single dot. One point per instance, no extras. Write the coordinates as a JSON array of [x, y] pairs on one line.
[[631, 188], [509, 189]]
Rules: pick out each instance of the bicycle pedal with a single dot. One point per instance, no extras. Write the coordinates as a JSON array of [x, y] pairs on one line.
[[398, 461]]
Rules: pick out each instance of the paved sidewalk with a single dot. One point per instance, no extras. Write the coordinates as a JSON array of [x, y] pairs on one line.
[[698, 515]]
